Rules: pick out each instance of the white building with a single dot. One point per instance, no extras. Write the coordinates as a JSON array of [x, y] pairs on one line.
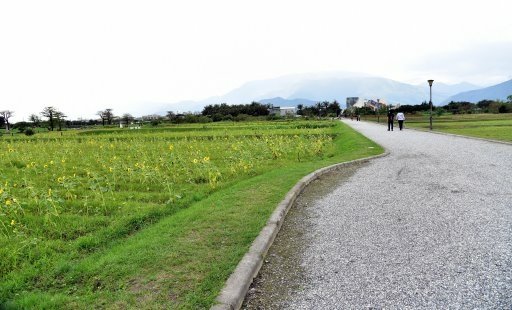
[[283, 111], [358, 102]]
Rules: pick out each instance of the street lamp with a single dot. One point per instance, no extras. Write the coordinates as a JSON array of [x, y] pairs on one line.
[[430, 102]]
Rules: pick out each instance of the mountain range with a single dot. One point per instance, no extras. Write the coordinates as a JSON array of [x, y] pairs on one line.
[[308, 89], [500, 91]]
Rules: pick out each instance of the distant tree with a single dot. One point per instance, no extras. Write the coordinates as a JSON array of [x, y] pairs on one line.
[[300, 109], [103, 117], [460, 107], [494, 107], [171, 116], [509, 98], [60, 118], [253, 109], [21, 126], [127, 118], [484, 105], [107, 116], [440, 111], [2, 121], [334, 109], [49, 112], [36, 121], [6, 114]]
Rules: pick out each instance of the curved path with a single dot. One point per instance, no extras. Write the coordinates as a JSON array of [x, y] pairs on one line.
[[429, 226]]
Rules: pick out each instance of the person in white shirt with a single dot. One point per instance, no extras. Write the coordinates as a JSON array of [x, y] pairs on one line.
[[400, 117]]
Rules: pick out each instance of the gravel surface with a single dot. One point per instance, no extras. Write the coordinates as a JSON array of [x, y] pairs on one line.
[[429, 226]]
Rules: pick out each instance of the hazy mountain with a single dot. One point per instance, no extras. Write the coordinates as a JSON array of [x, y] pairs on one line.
[[281, 102], [326, 86], [499, 91]]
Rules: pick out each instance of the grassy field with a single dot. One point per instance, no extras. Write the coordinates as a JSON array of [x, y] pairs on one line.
[[149, 218], [489, 126]]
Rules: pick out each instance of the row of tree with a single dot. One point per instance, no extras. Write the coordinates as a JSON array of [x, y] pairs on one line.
[[55, 119], [462, 107], [240, 112], [254, 109], [324, 108]]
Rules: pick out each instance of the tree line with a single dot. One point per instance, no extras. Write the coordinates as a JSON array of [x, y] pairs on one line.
[[454, 107], [52, 118], [320, 109]]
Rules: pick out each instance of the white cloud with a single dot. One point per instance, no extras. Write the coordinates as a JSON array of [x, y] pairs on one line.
[[86, 56]]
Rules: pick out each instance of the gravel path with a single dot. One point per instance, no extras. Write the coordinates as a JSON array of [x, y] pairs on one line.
[[429, 226]]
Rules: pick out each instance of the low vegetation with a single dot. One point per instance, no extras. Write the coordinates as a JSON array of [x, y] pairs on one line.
[[156, 217]]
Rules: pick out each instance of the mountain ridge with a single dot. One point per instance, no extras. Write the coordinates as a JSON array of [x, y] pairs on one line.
[[495, 92], [328, 86]]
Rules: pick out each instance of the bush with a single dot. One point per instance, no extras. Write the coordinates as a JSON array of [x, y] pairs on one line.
[[29, 132], [241, 117], [228, 117]]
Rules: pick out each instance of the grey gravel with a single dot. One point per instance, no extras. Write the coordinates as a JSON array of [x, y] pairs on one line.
[[429, 226]]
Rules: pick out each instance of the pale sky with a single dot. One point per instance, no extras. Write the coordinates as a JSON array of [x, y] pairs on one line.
[[86, 56]]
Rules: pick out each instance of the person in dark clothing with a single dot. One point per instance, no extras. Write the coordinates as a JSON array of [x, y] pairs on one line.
[[391, 118]]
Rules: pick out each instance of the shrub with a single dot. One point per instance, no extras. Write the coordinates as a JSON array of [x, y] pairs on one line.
[[29, 132]]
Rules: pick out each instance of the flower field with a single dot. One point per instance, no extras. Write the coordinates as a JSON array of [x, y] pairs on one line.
[[65, 197]]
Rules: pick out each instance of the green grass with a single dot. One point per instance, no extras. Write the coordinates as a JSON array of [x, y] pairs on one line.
[[150, 259], [488, 126]]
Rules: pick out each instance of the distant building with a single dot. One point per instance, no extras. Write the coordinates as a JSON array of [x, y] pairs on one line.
[[355, 102], [283, 111], [358, 102]]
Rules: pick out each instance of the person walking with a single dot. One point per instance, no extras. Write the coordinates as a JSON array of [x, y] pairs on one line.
[[400, 117], [391, 118]]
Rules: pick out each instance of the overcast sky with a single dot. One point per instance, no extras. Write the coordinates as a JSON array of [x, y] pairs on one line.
[[85, 56]]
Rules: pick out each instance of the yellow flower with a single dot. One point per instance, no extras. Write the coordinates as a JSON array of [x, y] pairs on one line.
[[206, 159], [171, 147], [13, 222], [195, 161], [63, 161], [110, 169], [8, 202]]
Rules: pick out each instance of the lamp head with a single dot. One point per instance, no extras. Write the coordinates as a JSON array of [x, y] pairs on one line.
[[430, 82]]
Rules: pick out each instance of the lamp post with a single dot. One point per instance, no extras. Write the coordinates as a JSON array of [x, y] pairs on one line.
[[430, 102]]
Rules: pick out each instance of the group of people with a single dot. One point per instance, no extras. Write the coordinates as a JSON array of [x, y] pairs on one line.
[[400, 117]]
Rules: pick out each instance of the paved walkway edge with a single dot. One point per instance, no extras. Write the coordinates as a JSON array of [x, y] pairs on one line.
[[236, 287]]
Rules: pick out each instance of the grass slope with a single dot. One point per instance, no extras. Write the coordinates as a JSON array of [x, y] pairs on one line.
[[183, 260]]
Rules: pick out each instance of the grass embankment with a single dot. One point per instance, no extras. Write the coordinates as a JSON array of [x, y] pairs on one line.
[[114, 244], [488, 126]]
